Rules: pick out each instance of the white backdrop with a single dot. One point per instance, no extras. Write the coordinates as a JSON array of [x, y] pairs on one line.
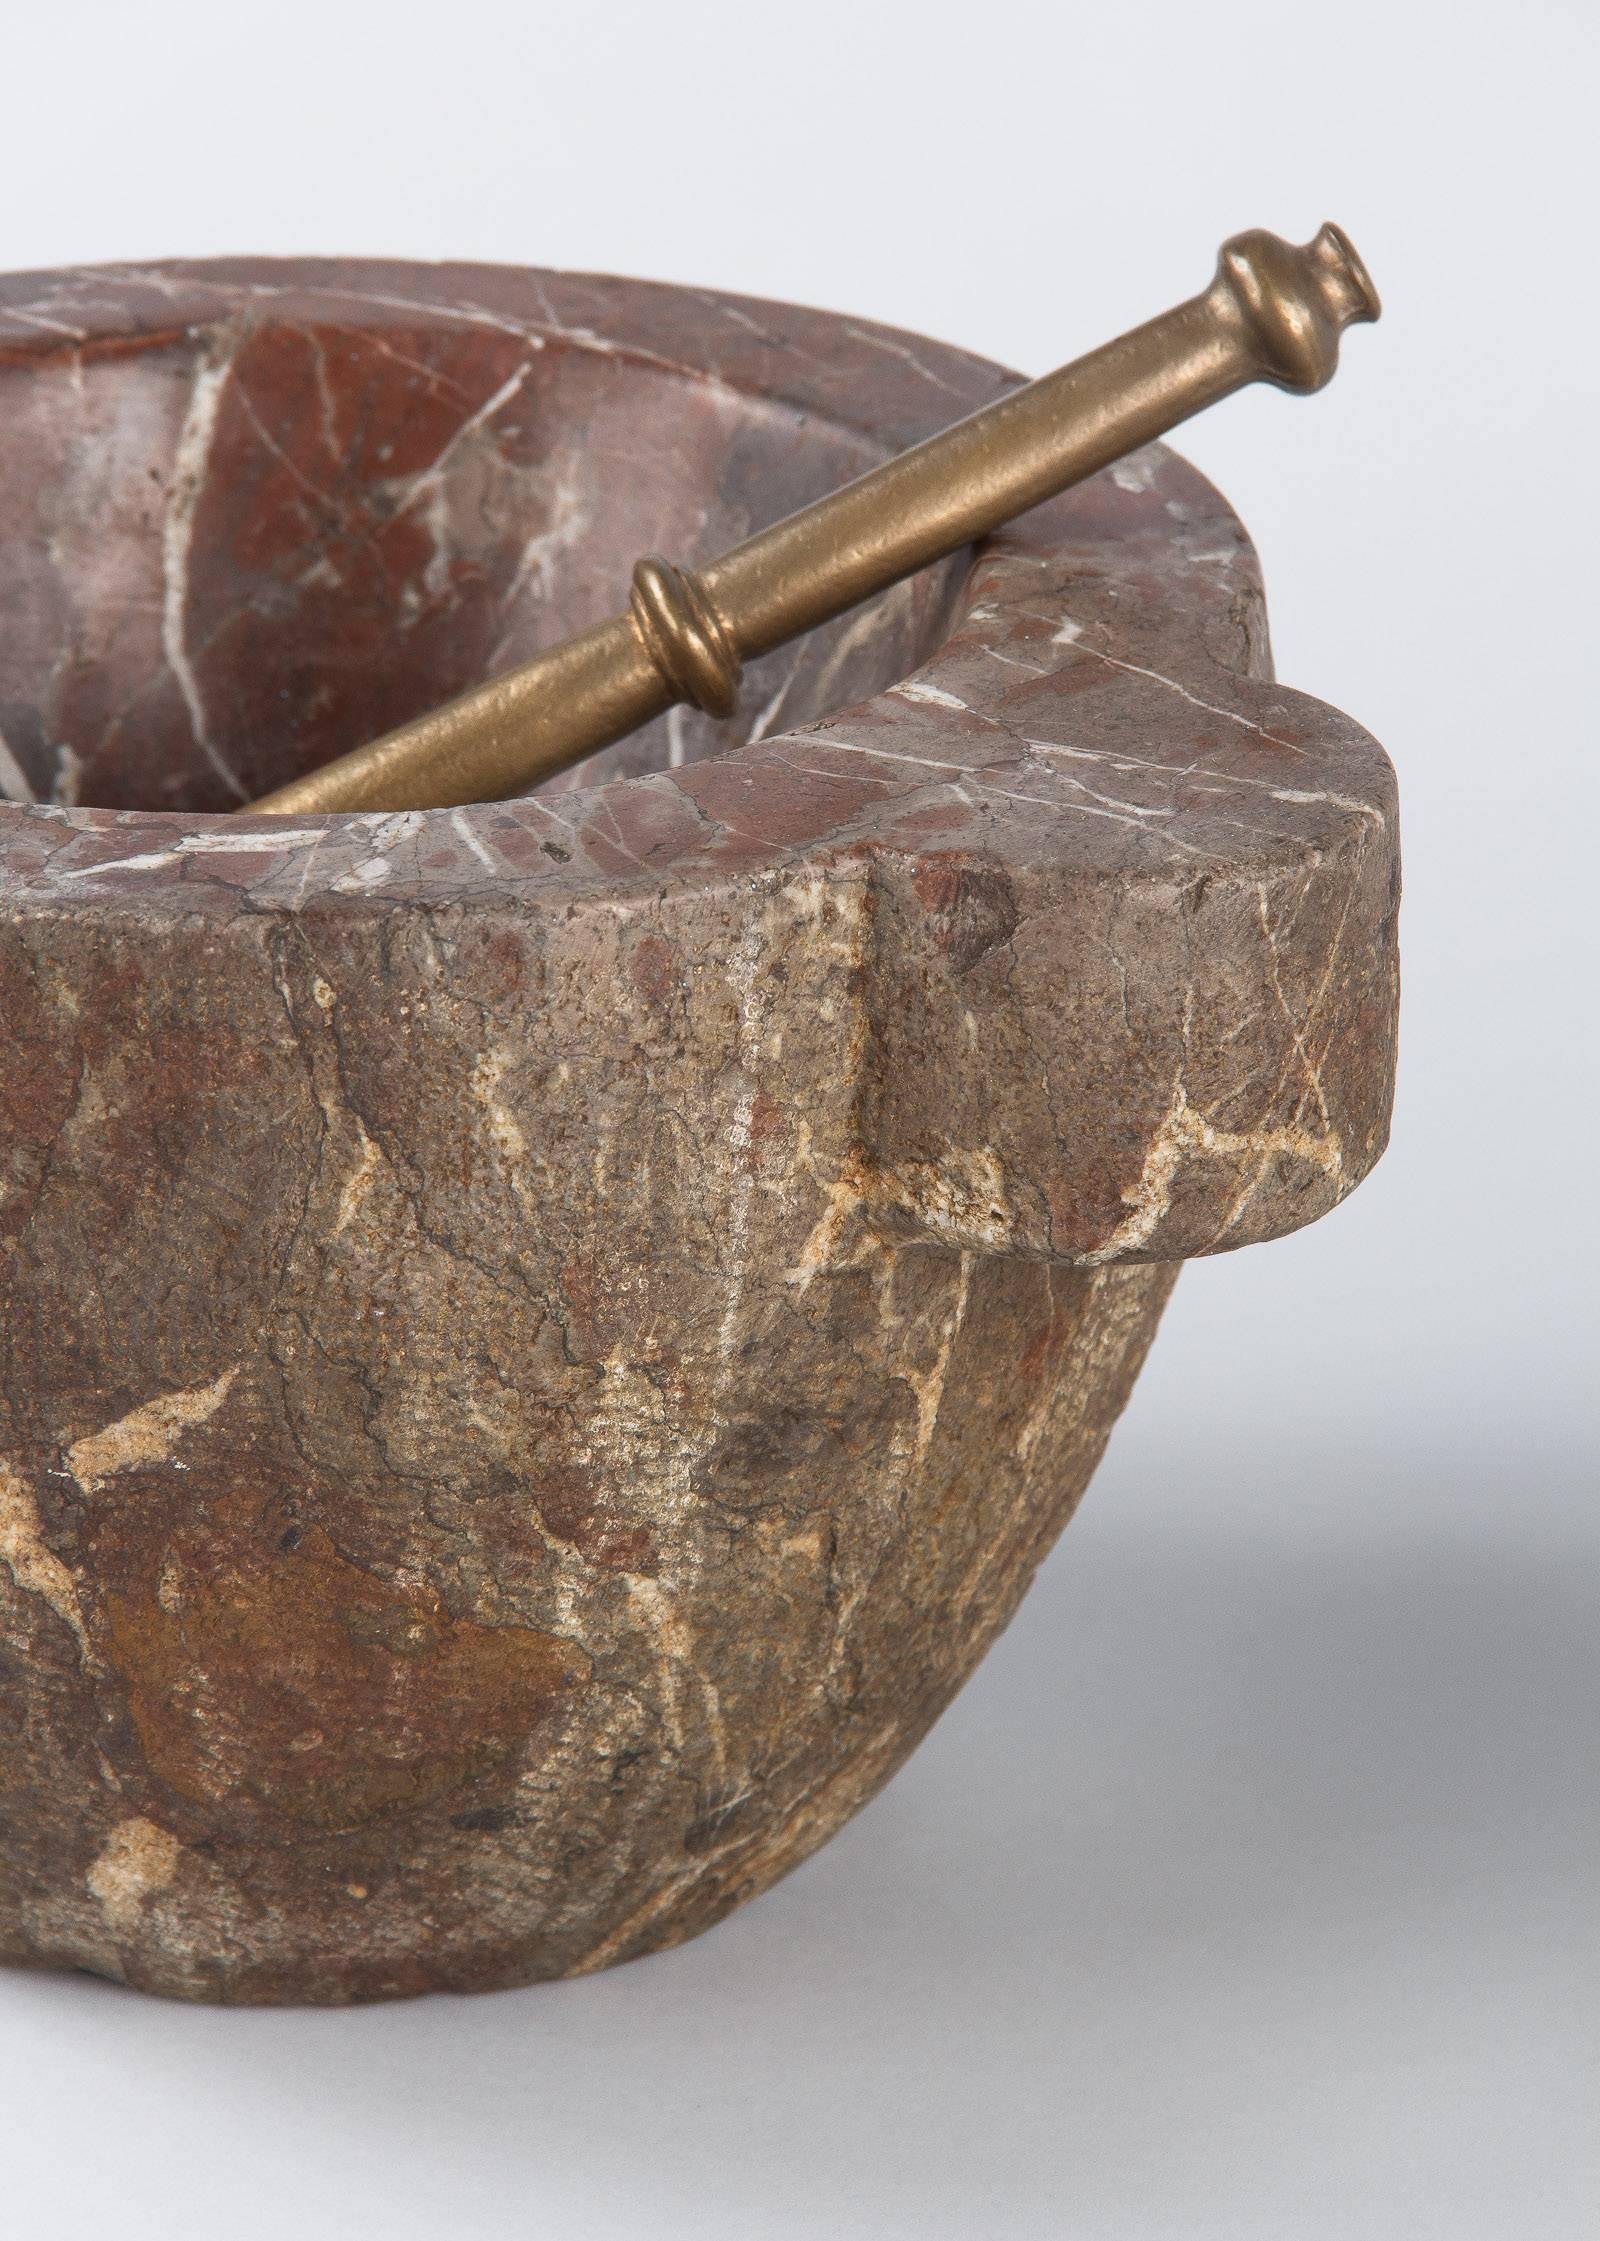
[[1250, 1889]]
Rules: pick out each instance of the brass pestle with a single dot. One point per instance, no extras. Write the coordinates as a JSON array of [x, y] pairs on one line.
[[1274, 312]]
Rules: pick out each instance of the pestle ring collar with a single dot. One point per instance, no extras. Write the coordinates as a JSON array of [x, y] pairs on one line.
[[684, 636]]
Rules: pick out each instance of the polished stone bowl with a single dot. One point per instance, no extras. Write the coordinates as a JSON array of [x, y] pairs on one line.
[[543, 1341]]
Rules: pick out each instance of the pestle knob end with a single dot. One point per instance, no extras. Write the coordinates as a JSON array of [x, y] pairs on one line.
[[1294, 302]]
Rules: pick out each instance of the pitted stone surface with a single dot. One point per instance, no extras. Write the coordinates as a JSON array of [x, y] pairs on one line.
[[542, 1341]]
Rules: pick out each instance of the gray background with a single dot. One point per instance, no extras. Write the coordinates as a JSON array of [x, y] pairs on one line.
[[1250, 1888]]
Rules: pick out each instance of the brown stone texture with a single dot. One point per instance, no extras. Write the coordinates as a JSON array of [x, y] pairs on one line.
[[541, 1342]]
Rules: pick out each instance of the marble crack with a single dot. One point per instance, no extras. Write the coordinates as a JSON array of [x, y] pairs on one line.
[[189, 472], [1186, 1132], [1071, 634], [965, 774], [903, 351]]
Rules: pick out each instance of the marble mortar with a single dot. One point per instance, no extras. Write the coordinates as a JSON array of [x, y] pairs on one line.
[[540, 1343]]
